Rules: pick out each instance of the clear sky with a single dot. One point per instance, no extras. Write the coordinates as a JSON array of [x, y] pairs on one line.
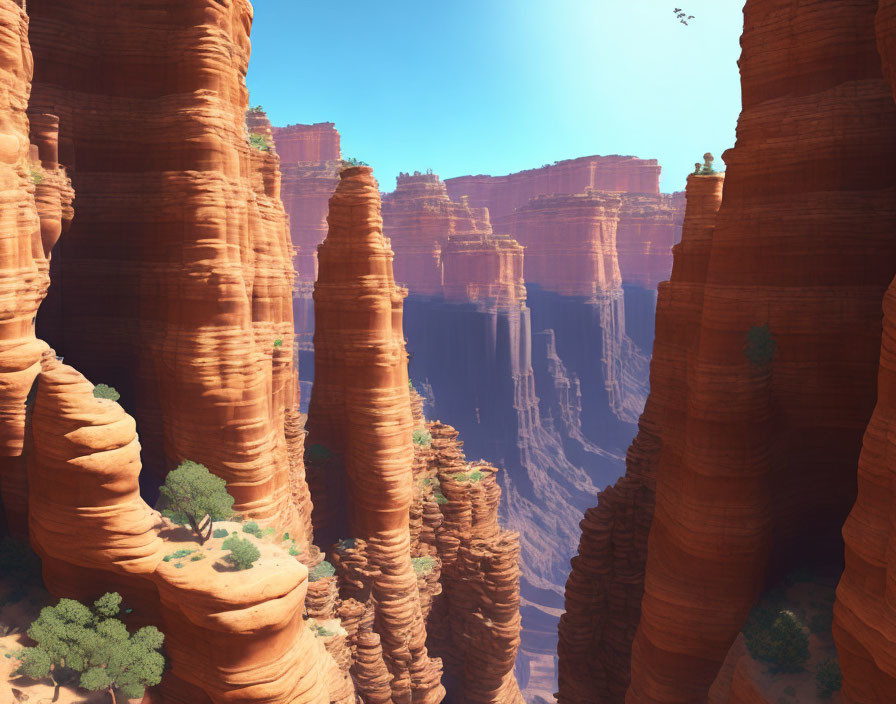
[[496, 86]]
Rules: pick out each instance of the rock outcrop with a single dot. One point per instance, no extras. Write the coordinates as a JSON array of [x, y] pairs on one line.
[[360, 413], [605, 587], [503, 194], [475, 620], [94, 534], [570, 242], [308, 143], [758, 472], [863, 614], [37, 198], [189, 313], [418, 218]]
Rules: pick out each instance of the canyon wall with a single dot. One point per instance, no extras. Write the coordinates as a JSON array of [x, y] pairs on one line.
[[310, 162], [503, 194], [174, 283], [604, 589], [863, 613], [418, 217], [37, 199], [755, 467]]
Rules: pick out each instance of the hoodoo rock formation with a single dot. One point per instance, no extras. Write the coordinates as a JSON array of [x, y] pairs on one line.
[[604, 590], [183, 314], [360, 413], [767, 355], [475, 620]]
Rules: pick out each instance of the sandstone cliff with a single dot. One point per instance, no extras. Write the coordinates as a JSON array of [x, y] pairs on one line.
[[604, 590], [37, 196], [360, 413], [863, 614], [174, 283], [780, 383], [503, 194], [418, 218]]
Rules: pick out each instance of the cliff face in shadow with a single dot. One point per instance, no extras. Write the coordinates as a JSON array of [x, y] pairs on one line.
[[774, 322]]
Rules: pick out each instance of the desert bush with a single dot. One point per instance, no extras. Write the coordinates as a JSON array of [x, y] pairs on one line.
[[242, 552], [321, 571], [105, 391], [829, 679], [775, 636], [422, 438]]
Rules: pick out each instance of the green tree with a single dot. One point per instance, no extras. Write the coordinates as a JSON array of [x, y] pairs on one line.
[[92, 642], [193, 494], [242, 552], [775, 636]]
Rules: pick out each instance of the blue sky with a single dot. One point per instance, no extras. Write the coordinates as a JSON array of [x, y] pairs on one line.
[[496, 86]]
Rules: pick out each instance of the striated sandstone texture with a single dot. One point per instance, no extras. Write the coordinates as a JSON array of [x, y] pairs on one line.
[[483, 267], [474, 624], [307, 143], [570, 242], [37, 198], [503, 194], [360, 416], [604, 589], [310, 162], [174, 282], [94, 533], [418, 218], [863, 614], [781, 384]]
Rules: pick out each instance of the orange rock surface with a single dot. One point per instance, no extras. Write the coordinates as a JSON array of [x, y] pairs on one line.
[[570, 242], [475, 620], [37, 196], [182, 314], [604, 590], [304, 143], [864, 615], [360, 412], [94, 533], [802, 251], [503, 194]]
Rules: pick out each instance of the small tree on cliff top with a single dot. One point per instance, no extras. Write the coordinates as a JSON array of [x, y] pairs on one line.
[[91, 641], [194, 494]]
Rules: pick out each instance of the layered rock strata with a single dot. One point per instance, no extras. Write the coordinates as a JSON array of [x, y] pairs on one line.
[[605, 587], [475, 620], [94, 534], [503, 194], [37, 197], [360, 413], [782, 382], [863, 614], [189, 316], [419, 218]]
